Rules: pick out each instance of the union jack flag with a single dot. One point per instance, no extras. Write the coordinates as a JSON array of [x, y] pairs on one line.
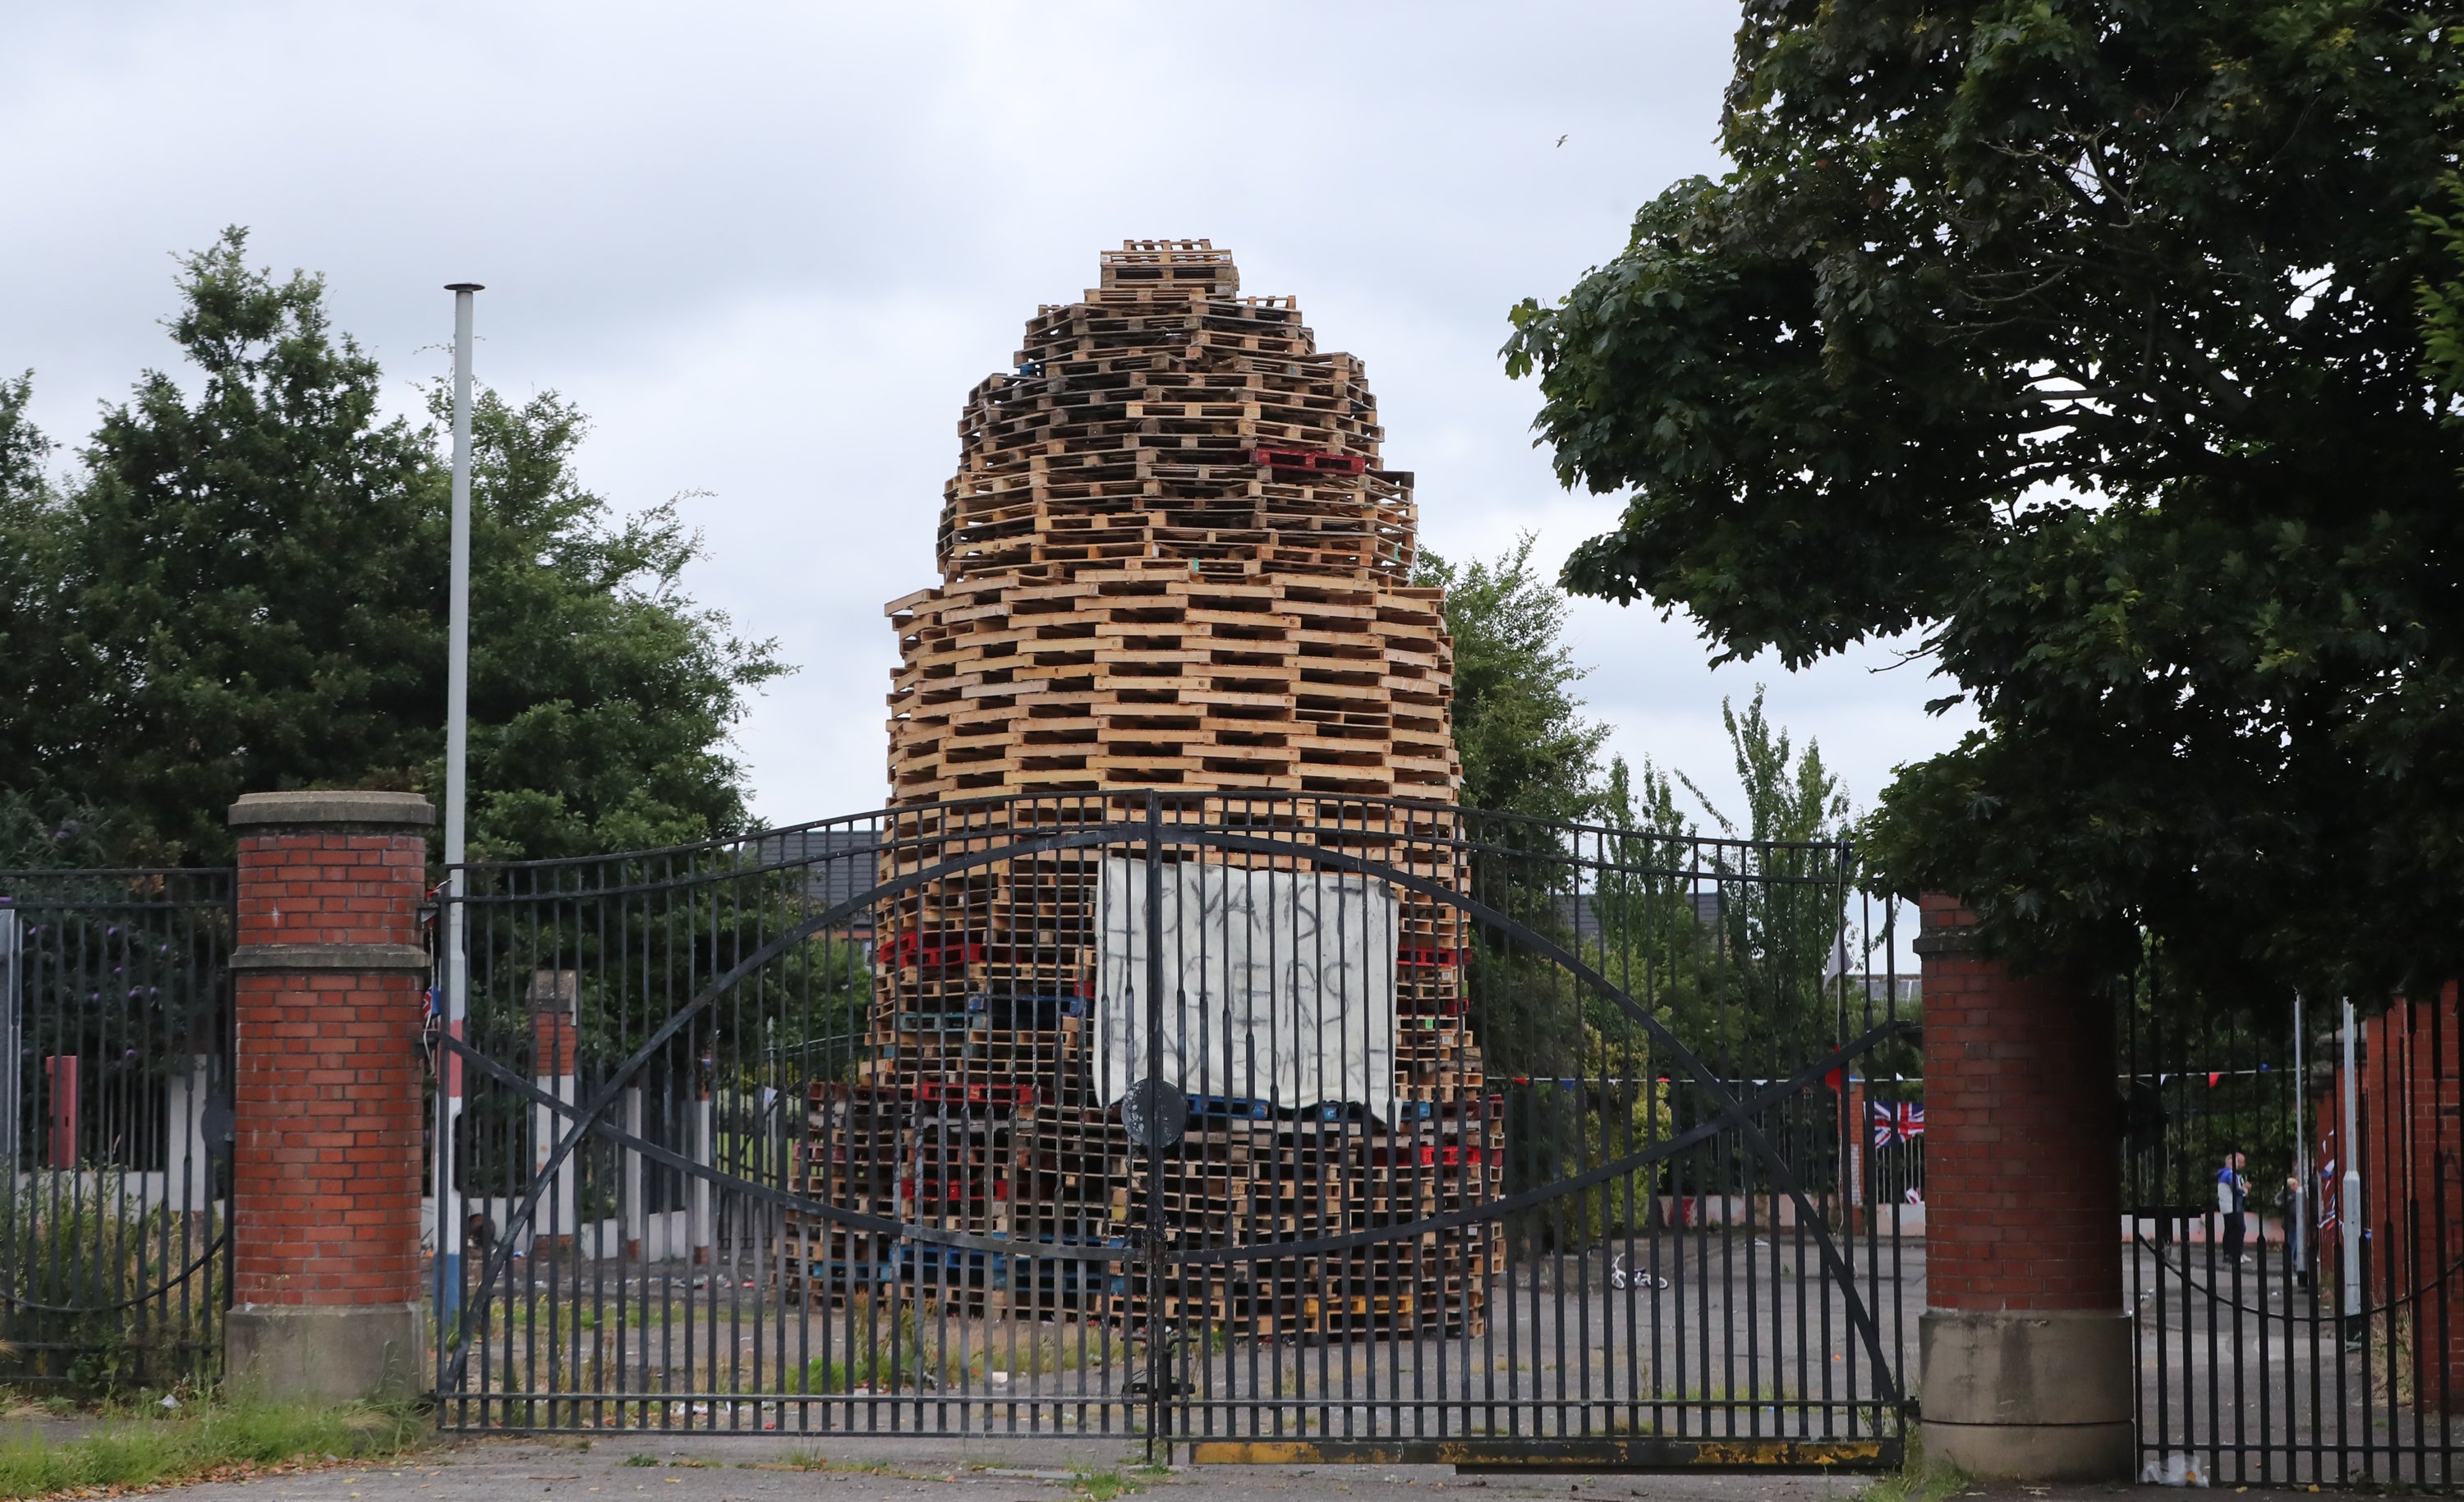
[[1896, 1124]]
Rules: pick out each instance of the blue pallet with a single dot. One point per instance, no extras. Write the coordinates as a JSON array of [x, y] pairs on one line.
[[944, 1267], [927, 1254], [1353, 1111], [1042, 1013], [1231, 1108], [929, 1261], [837, 1272]]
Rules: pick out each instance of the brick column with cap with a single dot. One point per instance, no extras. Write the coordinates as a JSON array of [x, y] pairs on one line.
[[326, 1109], [2028, 1354]]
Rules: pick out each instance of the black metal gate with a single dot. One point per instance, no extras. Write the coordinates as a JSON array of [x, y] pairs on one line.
[[2322, 1341], [115, 1029], [1278, 1126]]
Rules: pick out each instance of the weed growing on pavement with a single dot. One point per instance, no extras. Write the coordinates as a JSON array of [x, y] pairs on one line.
[[1916, 1480], [1103, 1484], [815, 1459]]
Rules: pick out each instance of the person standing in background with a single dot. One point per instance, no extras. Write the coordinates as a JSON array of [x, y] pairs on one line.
[[2232, 1201], [2297, 1230]]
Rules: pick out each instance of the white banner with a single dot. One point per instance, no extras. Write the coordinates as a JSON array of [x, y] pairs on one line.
[[1278, 986]]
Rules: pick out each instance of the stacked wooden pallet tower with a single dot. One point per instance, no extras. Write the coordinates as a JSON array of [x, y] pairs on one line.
[[1171, 559]]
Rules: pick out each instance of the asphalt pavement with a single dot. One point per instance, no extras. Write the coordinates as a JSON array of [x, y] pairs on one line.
[[749, 1469]]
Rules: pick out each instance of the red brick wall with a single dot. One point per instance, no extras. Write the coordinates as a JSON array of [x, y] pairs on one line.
[[2023, 1202], [326, 1117]]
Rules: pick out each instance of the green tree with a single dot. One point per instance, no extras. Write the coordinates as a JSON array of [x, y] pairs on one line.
[[1524, 745], [2441, 301], [1530, 765], [30, 534], [602, 697], [250, 595], [38, 825], [1649, 940], [1782, 918], [1791, 796], [2083, 337], [244, 590]]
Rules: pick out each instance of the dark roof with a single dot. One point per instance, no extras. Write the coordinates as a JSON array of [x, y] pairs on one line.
[[839, 863], [1578, 913]]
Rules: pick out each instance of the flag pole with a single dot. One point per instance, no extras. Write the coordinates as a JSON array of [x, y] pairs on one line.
[[2299, 1236], [457, 735], [2348, 1199]]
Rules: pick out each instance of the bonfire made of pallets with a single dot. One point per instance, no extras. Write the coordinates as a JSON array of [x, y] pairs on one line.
[[1171, 560]]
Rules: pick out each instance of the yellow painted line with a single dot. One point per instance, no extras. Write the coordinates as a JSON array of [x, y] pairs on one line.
[[1637, 1452]]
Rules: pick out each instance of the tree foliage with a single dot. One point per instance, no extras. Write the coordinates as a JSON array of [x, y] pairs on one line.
[[2086, 338], [244, 590], [601, 695], [1524, 745], [1791, 796], [30, 575], [2441, 297], [1782, 922]]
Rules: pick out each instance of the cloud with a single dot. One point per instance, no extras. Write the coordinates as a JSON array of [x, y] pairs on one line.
[[770, 247]]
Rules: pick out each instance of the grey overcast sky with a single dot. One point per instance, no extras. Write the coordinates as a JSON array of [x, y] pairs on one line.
[[768, 248]]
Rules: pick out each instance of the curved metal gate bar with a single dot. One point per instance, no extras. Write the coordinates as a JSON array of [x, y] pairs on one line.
[[1738, 1115], [1725, 1110]]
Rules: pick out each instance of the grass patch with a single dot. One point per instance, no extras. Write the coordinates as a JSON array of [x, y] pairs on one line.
[[1103, 1484], [1918, 1480], [815, 1459], [211, 1438]]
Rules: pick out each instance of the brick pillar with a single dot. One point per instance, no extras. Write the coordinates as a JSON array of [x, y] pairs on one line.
[[2028, 1352], [326, 1114]]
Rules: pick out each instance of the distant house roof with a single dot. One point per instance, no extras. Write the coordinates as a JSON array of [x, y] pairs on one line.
[[1582, 915], [1907, 990], [840, 864]]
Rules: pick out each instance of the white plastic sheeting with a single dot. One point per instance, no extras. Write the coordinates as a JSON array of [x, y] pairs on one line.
[[1277, 985]]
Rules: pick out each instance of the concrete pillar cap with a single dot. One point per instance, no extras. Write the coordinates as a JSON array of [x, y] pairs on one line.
[[323, 806]]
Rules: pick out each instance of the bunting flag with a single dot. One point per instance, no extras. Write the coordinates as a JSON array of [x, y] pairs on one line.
[[1897, 1124]]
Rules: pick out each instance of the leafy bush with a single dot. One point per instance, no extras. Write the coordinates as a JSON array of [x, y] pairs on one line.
[[132, 1292]]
